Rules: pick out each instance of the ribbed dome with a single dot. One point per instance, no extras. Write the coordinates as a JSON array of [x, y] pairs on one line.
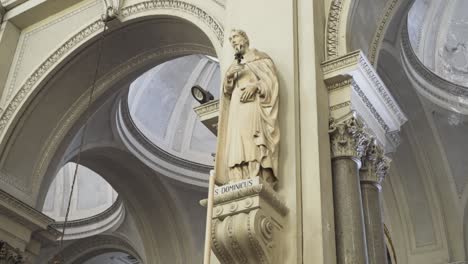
[[161, 106]]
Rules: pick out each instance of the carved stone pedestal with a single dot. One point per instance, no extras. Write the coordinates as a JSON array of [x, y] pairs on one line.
[[246, 225]]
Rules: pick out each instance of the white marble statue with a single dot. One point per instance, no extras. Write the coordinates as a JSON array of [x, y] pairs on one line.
[[248, 133]]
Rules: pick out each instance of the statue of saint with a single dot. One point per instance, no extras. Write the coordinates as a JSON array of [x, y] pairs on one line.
[[248, 132]]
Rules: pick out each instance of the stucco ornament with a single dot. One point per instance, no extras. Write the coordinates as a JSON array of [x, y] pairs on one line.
[[248, 133], [112, 9]]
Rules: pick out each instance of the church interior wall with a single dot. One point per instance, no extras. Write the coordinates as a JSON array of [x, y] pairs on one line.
[[424, 211]]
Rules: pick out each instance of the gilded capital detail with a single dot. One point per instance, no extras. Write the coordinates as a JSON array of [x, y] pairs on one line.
[[348, 138], [375, 164]]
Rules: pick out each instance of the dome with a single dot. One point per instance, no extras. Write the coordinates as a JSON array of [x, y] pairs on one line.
[[161, 106], [438, 32]]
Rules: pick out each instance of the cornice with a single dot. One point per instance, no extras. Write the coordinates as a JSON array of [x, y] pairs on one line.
[[208, 108], [23, 213], [118, 204], [369, 96]]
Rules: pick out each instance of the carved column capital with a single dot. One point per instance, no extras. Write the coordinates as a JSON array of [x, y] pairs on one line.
[[348, 139], [10, 255], [375, 164]]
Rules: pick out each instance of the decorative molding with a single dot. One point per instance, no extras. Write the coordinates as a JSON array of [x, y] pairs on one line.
[[368, 95], [177, 5], [333, 26], [378, 84], [380, 32], [10, 255], [442, 92], [208, 114], [371, 107], [24, 39], [342, 62], [339, 106], [208, 108], [348, 138], [262, 190], [44, 68], [93, 219], [23, 213], [246, 224]]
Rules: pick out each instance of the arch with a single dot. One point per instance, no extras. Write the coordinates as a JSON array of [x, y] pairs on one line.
[[84, 249], [78, 49], [147, 200], [343, 18]]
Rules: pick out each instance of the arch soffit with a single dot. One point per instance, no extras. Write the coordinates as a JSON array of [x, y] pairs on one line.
[[197, 16]]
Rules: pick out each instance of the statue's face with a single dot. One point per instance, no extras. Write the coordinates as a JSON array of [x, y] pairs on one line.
[[238, 42]]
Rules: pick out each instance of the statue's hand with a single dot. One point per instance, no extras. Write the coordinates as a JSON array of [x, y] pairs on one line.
[[248, 93], [233, 70]]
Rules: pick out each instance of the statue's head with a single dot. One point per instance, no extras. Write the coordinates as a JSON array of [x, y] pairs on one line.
[[239, 40]]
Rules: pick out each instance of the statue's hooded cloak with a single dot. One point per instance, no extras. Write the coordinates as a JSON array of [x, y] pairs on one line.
[[267, 138]]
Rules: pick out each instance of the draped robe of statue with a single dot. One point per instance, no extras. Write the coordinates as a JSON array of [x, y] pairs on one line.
[[248, 132]]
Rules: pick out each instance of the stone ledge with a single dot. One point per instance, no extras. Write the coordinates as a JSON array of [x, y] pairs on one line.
[[262, 190]]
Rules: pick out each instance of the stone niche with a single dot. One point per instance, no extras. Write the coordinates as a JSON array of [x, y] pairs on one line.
[[247, 219]]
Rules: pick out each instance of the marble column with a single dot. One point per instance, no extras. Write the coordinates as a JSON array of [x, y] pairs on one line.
[[374, 168], [348, 144]]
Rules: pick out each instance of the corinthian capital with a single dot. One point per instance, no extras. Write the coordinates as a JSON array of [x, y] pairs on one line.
[[348, 138], [9, 255], [375, 164]]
